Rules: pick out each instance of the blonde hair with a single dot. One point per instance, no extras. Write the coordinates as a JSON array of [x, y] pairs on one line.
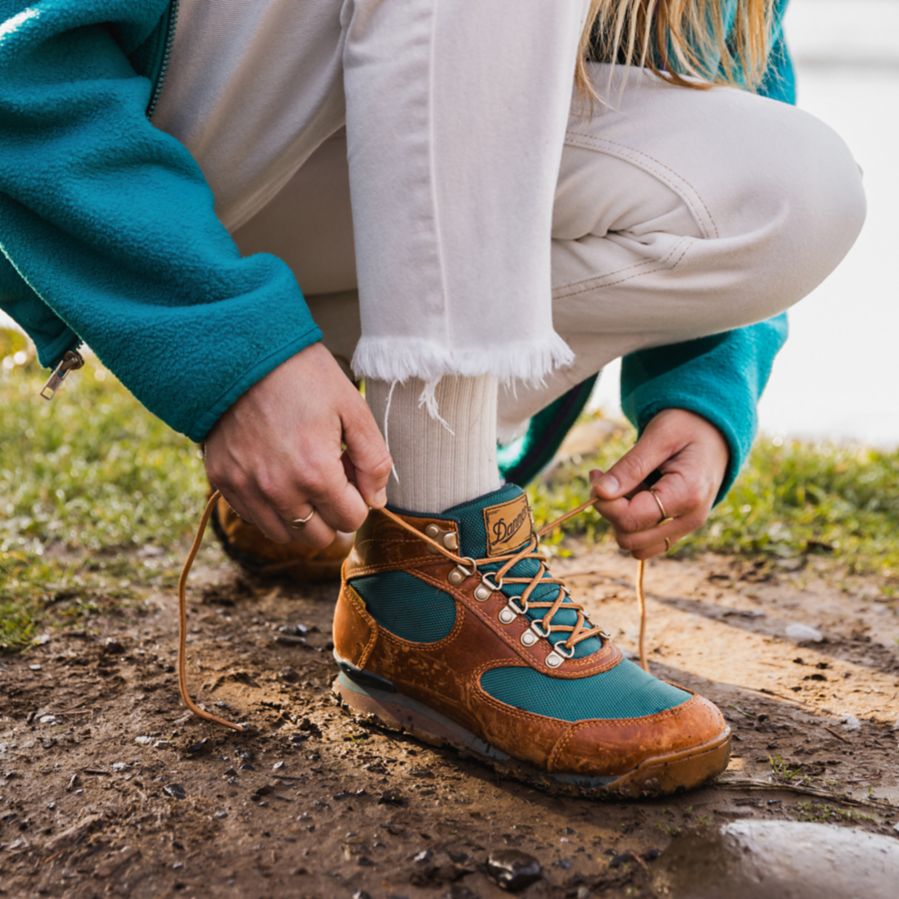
[[680, 39]]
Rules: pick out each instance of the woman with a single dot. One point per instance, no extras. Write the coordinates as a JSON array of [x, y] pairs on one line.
[[506, 234]]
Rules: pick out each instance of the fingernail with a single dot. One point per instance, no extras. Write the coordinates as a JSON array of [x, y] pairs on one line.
[[608, 484], [380, 499]]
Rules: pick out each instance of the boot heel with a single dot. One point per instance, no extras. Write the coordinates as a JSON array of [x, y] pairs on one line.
[[395, 711]]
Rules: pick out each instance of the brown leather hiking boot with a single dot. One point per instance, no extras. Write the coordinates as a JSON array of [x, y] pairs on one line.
[[450, 627], [253, 551]]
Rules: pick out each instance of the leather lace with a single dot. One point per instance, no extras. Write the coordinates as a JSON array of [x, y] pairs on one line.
[[576, 633]]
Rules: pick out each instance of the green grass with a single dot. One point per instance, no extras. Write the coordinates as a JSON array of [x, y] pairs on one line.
[[793, 499], [97, 499]]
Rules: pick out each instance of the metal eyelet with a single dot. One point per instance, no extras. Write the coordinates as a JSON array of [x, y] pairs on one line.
[[553, 660], [539, 629], [486, 588], [564, 650], [460, 572], [456, 576], [488, 581], [509, 612], [451, 540], [433, 531], [529, 638]]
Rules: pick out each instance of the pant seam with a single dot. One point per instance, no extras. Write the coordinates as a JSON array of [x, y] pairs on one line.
[[647, 268], [704, 219]]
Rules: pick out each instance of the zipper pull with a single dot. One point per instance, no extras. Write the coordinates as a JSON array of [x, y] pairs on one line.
[[72, 361]]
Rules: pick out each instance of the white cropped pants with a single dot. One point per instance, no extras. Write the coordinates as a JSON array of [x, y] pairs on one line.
[[447, 207]]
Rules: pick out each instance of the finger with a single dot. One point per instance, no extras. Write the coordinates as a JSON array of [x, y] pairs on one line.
[[673, 529], [632, 469], [235, 504], [252, 506], [316, 533], [657, 549], [323, 483], [367, 452], [641, 512]]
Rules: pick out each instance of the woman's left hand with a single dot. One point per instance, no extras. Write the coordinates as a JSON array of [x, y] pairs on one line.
[[691, 456]]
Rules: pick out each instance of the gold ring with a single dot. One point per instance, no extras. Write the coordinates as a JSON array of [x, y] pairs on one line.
[[299, 522], [667, 545], [655, 496]]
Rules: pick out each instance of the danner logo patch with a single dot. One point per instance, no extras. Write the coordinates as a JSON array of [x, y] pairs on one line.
[[508, 525]]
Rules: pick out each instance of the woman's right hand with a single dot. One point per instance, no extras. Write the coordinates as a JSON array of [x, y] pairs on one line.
[[278, 452]]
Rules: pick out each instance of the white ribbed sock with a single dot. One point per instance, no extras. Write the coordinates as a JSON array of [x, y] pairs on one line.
[[439, 462]]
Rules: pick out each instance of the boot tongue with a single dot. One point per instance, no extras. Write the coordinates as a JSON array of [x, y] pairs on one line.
[[499, 523], [495, 524]]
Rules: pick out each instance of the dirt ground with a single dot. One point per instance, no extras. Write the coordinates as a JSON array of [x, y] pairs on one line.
[[107, 787]]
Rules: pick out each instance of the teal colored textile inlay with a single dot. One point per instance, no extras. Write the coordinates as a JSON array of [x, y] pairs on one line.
[[473, 538], [407, 606], [473, 542], [625, 691]]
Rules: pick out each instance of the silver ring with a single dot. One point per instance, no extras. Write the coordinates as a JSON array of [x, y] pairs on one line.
[[300, 522]]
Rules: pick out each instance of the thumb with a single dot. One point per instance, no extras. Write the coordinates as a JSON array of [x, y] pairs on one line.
[[367, 453], [631, 469]]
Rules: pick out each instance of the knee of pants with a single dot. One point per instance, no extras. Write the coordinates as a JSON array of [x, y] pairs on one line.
[[800, 206]]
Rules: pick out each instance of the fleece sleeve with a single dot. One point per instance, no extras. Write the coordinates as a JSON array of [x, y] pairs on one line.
[[720, 378], [111, 223]]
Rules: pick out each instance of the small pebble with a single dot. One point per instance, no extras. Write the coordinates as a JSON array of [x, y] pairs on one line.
[[513, 870], [35, 667], [803, 633], [48, 719], [120, 766], [176, 791], [850, 722], [143, 740]]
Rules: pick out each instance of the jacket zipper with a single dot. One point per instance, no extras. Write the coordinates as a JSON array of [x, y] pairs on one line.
[[166, 56], [72, 359]]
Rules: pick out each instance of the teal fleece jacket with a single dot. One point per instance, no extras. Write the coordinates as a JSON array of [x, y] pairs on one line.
[[107, 224], [108, 235]]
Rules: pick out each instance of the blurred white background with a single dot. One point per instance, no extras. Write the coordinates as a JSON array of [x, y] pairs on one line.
[[838, 375]]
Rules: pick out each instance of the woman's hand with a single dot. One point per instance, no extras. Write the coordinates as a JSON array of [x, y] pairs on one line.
[[691, 455], [278, 453]]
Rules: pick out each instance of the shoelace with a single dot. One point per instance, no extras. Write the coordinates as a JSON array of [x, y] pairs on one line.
[[492, 580]]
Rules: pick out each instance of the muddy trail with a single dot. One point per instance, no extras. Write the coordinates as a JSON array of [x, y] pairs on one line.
[[107, 786]]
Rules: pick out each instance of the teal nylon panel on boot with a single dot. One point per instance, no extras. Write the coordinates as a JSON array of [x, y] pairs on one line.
[[407, 606], [473, 542], [625, 691]]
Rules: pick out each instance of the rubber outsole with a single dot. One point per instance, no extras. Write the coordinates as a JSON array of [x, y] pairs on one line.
[[657, 776]]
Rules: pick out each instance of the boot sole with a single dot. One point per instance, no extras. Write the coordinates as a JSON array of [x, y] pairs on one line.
[[660, 775]]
